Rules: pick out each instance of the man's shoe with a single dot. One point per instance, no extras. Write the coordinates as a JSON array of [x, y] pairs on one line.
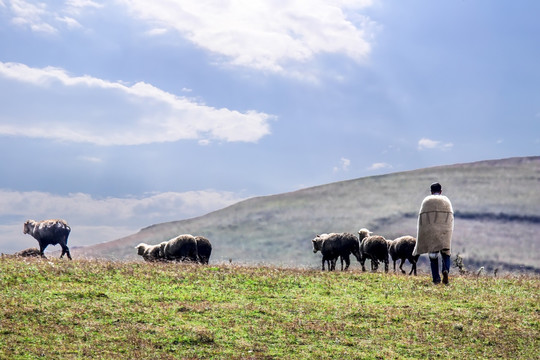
[[445, 277]]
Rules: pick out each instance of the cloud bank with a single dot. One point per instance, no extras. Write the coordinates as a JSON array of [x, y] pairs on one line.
[[272, 36], [91, 110]]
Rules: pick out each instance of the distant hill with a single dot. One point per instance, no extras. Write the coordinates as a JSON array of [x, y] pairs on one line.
[[497, 206]]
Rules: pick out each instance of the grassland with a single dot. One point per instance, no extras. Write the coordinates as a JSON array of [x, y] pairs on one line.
[[59, 309]]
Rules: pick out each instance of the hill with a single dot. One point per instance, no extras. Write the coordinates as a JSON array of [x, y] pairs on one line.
[[497, 205], [60, 309]]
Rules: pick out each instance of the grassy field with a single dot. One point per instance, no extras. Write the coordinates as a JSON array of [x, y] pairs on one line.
[[56, 309]]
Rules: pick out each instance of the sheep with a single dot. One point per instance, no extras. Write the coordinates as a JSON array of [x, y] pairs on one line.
[[204, 249], [402, 248], [180, 248], [336, 245], [374, 247], [30, 252], [49, 232], [150, 253], [326, 244], [349, 245]]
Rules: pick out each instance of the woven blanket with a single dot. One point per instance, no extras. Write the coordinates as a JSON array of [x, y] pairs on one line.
[[435, 225]]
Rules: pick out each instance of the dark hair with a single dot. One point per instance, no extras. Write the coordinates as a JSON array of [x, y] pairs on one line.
[[436, 188]]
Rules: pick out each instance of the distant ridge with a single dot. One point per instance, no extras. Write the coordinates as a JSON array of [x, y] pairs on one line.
[[497, 205]]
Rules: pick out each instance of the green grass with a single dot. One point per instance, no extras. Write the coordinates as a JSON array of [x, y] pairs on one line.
[[56, 309]]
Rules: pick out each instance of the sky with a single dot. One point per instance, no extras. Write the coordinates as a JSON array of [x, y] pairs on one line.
[[119, 114]]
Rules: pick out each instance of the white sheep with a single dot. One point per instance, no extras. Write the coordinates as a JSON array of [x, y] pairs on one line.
[[150, 252]]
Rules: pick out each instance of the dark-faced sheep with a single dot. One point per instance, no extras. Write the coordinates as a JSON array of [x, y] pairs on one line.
[[373, 247], [180, 248], [402, 249], [336, 245], [204, 249], [327, 245], [49, 232]]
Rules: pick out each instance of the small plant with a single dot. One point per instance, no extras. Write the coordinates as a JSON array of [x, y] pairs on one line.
[[458, 262]]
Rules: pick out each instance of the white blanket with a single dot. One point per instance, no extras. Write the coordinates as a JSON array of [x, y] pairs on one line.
[[435, 225]]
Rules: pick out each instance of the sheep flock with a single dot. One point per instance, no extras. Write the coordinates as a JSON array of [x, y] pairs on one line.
[[367, 246], [197, 249]]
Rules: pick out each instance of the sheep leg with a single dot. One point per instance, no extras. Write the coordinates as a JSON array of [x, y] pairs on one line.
[[42, 250], [374, 264], [65, 250], [413, 268], [401, 266], [347, 262], [386, 266], [394, 265], [362, 262]]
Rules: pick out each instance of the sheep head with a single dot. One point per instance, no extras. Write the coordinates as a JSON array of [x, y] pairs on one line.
[[363, 233], [317, 243], [27, 227], [141, 248]]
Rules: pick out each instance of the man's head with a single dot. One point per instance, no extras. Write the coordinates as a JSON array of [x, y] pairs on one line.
[[436, 188]]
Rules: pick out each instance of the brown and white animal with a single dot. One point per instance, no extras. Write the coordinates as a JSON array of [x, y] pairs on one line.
[[181, 248], [49, 232], [204, 249], [373, 247], [402, 249], [150, 253], [336, 245], [30, 252]]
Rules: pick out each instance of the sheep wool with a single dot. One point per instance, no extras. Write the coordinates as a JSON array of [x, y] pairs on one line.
[[435, 225]]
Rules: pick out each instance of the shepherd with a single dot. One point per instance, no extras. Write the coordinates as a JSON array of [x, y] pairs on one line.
[[435, 228]]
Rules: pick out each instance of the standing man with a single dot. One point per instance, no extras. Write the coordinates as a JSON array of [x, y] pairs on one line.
[[435, 228]]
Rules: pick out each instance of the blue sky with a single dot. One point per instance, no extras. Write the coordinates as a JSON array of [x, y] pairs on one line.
[[119, 114]]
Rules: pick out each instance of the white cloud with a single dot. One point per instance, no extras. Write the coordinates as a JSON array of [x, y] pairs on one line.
[[97, 220], [97, 111], [34, 16], [344, 165], [275, 36], [47, 17], [156, 32], [425, 143], [380, 166]]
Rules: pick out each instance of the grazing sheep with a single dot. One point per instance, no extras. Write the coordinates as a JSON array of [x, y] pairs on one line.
[[150, 253], [30, 252], [336, 245], [402, 248], [204, 249], [373, 247], [49, 232], [180, 248]]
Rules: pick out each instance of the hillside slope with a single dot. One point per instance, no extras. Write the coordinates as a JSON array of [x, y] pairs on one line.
[[497, 205]]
